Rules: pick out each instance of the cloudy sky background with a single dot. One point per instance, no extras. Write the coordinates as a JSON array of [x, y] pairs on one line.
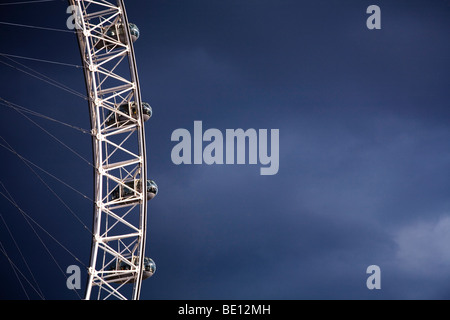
[[364, 149]]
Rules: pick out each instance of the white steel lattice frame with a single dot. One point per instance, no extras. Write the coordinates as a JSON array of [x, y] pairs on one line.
[[119, 226]]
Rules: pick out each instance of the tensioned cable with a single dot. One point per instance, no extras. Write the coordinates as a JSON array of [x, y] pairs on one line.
[[16, 269], [38, 291], [28, 218], [37, 114], [50, 81], [43, 77], [35, 27], [17, 107], [41, 60], [26, 2], [55, 138], [48, 187], [10, 149], [43, 170], [13, 266]]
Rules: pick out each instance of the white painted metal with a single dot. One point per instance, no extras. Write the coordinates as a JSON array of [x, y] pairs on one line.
[[119, 226]]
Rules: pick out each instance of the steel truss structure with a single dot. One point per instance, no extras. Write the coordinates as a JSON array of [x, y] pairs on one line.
[[119, 150]]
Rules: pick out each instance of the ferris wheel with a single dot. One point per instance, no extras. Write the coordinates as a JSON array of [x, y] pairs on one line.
[[118, 264]]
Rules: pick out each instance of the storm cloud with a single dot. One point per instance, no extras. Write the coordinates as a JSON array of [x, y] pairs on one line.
[[363, 125]]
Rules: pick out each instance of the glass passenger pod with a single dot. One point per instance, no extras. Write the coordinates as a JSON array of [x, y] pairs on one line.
[[126, 192], [127, 108], [134, 31], [116, 33], [121, 276]]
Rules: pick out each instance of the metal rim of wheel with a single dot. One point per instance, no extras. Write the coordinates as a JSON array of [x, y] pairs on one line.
[[121, 188]]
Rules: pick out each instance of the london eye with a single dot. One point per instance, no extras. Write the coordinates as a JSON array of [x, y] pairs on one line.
[[118, 264], [118, 117]]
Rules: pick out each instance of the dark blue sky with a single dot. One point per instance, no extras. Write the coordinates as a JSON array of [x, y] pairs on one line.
[[364, 124]]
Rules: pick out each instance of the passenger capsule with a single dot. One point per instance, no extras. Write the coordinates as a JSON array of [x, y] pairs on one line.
[[152, 189], [147, 111], [127, 191], [134, 31], [121, 276], [149, 268], [118, 119], [116, 33]]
